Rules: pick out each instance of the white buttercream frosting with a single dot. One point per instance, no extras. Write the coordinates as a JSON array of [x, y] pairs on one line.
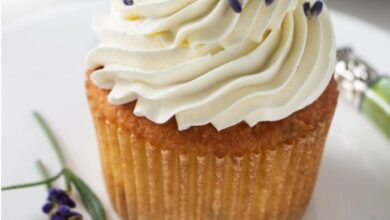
[[200, 62]]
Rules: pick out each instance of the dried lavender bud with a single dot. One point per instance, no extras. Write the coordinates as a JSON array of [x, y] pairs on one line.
[[128, 2], [269, 2], [236, 5], [47, 207], [307, 9], [66, 200], [63, 210], [313, 11], [53, 194], [62, 197], [70, 203], [317, 8]]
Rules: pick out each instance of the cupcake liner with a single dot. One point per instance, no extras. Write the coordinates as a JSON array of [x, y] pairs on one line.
[[146, 181]]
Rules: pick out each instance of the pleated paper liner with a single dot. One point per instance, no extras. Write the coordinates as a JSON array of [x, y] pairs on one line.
[[150, 182]]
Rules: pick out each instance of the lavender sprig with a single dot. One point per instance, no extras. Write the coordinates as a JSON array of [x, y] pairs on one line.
[[59, 204]]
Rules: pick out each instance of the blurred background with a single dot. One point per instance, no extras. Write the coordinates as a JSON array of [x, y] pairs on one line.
[[374, 11]]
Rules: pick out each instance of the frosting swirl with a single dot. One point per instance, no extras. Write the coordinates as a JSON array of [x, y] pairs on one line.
[[203, 63]]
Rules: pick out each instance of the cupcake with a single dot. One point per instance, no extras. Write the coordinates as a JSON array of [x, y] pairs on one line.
[[212, 109]]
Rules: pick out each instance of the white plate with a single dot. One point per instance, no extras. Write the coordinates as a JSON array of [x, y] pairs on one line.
[[43, 69]]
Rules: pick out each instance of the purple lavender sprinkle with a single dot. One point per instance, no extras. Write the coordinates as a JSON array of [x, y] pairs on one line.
[[236, 5], [313, 11], [307, 9], [128, 2], [317, 8], [269, 2]]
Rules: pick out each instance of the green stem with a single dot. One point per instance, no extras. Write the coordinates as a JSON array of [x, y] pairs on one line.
[[67, 180], [27, 185], [42, 122], [44, 173]]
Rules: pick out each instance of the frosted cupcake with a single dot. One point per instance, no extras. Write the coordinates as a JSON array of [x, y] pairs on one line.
[[212, 109]]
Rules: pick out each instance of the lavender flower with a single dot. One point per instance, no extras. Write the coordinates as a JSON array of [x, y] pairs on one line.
[[58, 206]]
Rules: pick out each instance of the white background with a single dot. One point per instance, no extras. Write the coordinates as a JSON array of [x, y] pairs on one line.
[[374, 11]]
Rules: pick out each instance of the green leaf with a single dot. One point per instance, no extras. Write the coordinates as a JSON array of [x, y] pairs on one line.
[[56, 146], [88, 197], [53, 140], [44, 173], [39, 183]]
